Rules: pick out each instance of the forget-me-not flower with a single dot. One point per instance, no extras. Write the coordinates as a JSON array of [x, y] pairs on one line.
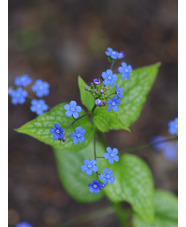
[[96, 81], [38, 106], [23, 80], [10, 90], [125, 70], [72, 109], [23, 224], [119, 91], [18, 96], [89, 166], [113, 53], [78, 136], [111, 155], [41, 88], [113, 104], [109, 77], [95, 186], [107, 176], [169, 149], [57, 132], [173, 127]]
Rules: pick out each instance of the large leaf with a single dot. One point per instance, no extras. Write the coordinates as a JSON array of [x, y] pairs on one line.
[[86, 98], [40, 126], [72, 178], [106, 121], [133, 184], [135, 90], [166, 211]]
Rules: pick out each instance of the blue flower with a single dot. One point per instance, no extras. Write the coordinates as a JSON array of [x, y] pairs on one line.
[[89, 166], [38, 106], [10, 90], [113, 104], [23, 80], [107, 176], [95, 186], [125, 70], [169, 149], [23, 224], [96, 81], [18, 96], [57, 132], [113, 54], [173, 126], [78, 136], [72, 109], [122, 54], [41, 88], [111, 155], [109, 77], [158, 146], [119, 91]]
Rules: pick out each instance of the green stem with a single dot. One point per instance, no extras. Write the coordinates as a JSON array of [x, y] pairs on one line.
[[93, 109], [97, 174], [76, 120], [112, 63], [95, 146], [111, 94], [143, 146], [121, 214]]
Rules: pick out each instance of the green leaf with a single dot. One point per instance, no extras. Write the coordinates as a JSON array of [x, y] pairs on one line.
[[72, 178], [106, 121], [135, 91], [133, 184], [86, 98], [40, 126], [166, 211]]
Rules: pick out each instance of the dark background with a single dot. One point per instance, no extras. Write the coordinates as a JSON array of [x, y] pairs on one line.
[[58, 40]]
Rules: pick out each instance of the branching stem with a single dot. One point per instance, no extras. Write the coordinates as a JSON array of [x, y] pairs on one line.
[[143, 146], [76, 120]]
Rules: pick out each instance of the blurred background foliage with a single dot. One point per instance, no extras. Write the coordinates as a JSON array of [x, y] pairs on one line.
[[57, 40]]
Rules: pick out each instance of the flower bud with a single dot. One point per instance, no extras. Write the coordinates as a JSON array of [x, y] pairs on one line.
[[98, 102]]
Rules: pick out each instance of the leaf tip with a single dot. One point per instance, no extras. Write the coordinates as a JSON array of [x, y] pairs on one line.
[[17, 130], [158, 64]]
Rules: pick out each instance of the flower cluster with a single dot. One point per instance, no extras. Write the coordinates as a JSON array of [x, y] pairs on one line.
[[73, 111], [113, 54], [90, 166], [161, 143], [105, 92], [19, 95], [102, 89]]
